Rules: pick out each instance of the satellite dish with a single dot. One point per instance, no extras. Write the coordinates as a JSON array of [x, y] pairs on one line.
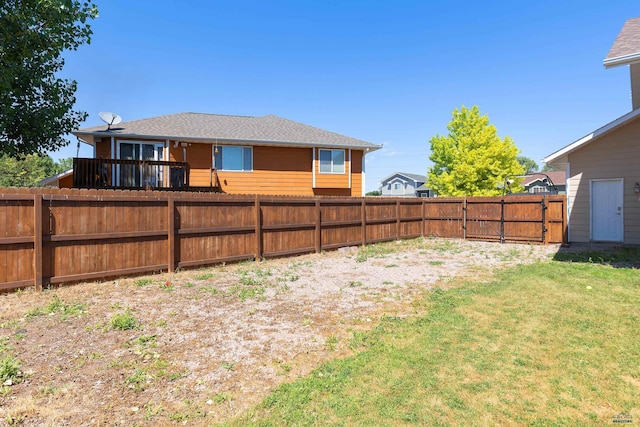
[[110, 118]]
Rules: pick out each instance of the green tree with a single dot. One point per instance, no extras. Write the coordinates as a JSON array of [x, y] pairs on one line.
[[374, 193], [528, 164], [36, 106], [63, 165], [27, 170], [472, 160]]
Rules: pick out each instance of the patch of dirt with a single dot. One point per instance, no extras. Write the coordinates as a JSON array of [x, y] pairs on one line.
[[210, 343]]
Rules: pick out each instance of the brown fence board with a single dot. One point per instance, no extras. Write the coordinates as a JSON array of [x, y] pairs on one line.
[[55, 236]]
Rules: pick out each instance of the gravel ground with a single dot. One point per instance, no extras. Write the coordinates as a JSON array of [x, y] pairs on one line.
[[210, 343]]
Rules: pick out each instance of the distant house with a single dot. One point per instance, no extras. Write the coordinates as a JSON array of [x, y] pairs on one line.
[[545, 182], [214, 152], [603, 167], [402, 184]]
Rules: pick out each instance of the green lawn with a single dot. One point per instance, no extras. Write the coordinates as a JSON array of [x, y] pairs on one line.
[[550, 344]]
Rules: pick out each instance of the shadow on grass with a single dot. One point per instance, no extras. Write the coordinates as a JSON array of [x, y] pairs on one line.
[[615, 256]]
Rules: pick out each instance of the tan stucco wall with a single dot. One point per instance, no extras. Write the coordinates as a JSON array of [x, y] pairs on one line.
[[616, 155]]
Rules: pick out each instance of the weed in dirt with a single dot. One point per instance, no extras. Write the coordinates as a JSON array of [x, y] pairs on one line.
[[143, 282], [167, 286], [10, 370], [151, 410], [355, 284], [306, 321], [210, 289], [188, 285], [146, 340], [137, 380], [391, 265], [331, 342], [228, 366], [222, 398], [123, 321], [436, 262], [58, 306], [204, 276], [387, 282]]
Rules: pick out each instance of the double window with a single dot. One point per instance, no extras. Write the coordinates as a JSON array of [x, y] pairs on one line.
[[332, 161], [232, 158]]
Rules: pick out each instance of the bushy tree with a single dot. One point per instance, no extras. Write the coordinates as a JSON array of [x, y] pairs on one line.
[[472, 160], [28, 170], [528, 164], [36, 106]]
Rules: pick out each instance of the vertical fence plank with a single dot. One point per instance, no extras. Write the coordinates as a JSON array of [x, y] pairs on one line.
[[397, 219], [258, 212], [318, 229], [171, 236], [363, 214], [37, 241]]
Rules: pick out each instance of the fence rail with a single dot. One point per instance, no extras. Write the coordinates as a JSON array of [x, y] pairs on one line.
[[56, 236]]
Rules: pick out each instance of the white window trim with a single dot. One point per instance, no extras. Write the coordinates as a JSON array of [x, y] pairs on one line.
[[344, 164], [221, 147]]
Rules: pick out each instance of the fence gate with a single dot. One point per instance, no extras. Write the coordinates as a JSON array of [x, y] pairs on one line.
[[512, 219]]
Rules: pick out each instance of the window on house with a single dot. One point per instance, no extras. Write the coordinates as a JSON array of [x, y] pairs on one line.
[[232, 158], [332, 161], [397, 186]]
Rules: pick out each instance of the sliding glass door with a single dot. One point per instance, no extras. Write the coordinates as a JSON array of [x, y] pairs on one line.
[[137, 174]]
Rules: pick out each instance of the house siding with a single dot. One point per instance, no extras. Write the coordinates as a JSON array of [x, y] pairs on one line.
[[276, 170], [613, 156]]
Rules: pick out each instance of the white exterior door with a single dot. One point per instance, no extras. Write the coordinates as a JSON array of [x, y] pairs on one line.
[[607, 224]]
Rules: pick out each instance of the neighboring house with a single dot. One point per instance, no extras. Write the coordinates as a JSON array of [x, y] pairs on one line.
[[545, 182], [61, 180], [603, 168], [233, 154], [402, 184]]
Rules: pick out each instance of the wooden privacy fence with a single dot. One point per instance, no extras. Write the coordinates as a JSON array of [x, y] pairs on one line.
[[55, 236]]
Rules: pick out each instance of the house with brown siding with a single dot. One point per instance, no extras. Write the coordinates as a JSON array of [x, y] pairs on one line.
[[603, 167], [232, 154]]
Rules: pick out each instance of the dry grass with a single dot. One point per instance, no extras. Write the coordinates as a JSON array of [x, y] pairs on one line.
[[204, 346]]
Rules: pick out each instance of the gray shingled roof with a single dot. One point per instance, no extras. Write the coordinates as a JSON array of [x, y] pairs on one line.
[[626, 48], [412, 176], [270, 130]]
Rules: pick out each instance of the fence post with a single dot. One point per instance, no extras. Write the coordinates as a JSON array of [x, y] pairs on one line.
[[544, 220], [258, 229], [424, 207], [464, 218], [397, 219], [502, 220], [363, 215], [318, 227], [171, 236], [37, 241]]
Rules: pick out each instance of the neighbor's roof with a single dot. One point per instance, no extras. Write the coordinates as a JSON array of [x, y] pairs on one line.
[[560, 156], [411, 176], [201, 127], [53, 180], [557, 177], [626, 48]]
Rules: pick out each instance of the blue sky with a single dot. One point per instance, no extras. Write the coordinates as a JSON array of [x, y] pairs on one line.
[[386, 72]]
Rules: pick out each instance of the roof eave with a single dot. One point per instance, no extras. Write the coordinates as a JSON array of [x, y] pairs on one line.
[[598, 133], [622, 60], [367, 148]]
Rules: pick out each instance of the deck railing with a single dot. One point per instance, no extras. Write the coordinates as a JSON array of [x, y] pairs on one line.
[[130, 174]]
